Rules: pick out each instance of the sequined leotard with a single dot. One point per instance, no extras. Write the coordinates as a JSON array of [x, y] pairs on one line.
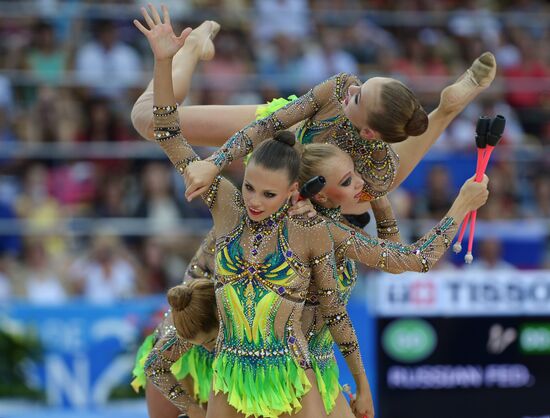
[[323, 122], [263, 273]]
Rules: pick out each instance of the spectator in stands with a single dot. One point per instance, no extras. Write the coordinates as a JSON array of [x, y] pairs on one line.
[[157, 203], [41, 210], [525, 93], [111, 199], [54, 116], [225, 75], [40, 279], [274, 17], [504, 202], [107, 273], [103, 122], [106, 65], [46, 59], [279, 65], [326, 58], [366, 41], [74, 186], [506, 52], [434, 200], [154, 272], [489, 256]]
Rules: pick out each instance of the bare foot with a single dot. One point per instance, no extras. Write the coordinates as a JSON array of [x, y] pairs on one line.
[[203, 35], [478, 77]]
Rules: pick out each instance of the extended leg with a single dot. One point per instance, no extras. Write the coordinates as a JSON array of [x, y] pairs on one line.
[[454, 99], [312, 403]]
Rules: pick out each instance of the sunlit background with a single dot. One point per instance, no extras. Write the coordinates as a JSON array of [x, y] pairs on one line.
[[94, 228]]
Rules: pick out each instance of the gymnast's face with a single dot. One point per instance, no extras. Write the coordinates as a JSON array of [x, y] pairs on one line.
[[265, 191], [206, 339], [344, 185], [362, 99]]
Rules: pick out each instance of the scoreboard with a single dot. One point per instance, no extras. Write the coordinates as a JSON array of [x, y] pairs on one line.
[[464, 344]]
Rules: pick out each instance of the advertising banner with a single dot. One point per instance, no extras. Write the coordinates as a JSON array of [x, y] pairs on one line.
[[464, 293], [87, 350]]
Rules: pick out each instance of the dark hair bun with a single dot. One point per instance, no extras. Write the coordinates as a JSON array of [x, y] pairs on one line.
[[418, 123], [286, 137], [179, 297]]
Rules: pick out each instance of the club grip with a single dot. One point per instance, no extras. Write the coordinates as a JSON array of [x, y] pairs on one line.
[[482, 129], [312, 187], [496, 130]]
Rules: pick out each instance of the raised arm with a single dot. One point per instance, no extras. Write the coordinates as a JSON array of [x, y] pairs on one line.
[[245, 140], [420, 256], [164, 44]]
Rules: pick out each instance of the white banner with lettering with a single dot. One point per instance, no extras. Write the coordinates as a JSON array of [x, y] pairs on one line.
[[462, 293]]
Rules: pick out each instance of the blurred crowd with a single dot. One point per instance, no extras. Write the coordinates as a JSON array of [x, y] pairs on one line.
[[71, 70]]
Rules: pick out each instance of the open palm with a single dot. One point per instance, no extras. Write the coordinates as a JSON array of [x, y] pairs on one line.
[[161, 36]]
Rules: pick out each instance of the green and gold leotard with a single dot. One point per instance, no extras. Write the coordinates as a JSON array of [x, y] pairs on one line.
[[263, 275], [263, 271]]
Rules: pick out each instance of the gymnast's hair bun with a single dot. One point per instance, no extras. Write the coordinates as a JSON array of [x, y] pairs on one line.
[[179, 297], [286, 137], [418, 123]]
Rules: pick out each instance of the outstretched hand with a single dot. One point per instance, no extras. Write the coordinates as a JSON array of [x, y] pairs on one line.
[[160, 35]]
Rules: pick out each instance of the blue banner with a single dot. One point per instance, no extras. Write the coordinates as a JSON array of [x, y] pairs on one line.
[[90, 349], [87, 349]]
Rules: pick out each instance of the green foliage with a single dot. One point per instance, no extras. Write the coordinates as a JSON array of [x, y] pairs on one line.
[[16, 350]]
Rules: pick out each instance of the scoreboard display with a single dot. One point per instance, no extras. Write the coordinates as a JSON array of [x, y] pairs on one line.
[[478, 346], [476, 367]]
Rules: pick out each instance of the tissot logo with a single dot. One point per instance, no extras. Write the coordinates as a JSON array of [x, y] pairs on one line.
[[420, 292], [423, 293], [465, 293]]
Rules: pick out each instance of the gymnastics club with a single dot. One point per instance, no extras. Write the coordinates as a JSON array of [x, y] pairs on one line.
[[494, 135], [347, 390], [312, 187], [482, 128]]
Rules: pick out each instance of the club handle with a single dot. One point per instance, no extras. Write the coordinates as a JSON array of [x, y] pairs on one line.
[[312, 187]]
